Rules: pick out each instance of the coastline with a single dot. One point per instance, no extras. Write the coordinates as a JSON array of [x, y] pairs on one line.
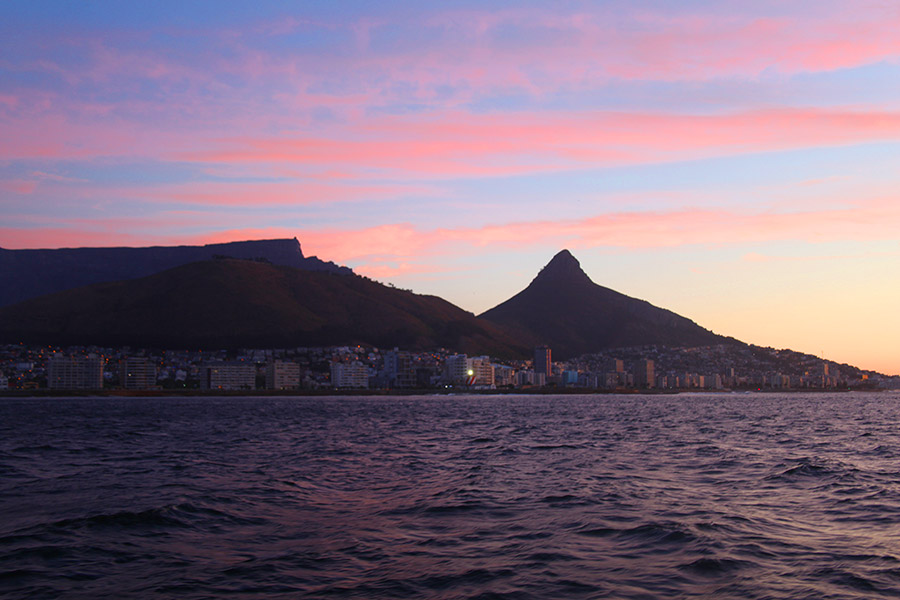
[[117, 393]]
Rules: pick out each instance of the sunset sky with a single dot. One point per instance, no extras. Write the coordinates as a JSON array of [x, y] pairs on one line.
[[736, 162]]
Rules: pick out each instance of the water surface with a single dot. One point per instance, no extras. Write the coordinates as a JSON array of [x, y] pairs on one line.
[[689, 496]]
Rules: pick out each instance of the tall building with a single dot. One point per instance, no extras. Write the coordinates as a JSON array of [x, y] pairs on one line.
[[504, 376], [228, 375], [542, 361], [456, 368], [613, 379], [480, 370], [281, 375], [75, 373], [589, 380], [644, 376], [613, 374], [400, 369], [525, 378], [614, 365], [137, 373], [349, 375], [568, 377]]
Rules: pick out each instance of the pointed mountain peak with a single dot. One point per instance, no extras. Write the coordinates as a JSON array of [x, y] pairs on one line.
[[562, 268], [564, 257]]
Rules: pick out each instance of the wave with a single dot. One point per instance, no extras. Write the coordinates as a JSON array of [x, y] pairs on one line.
[[175, 516], [626, 497]]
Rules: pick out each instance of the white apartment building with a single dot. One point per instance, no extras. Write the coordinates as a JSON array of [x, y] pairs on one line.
[[228, 375], [282, 375], [137, 373], [75, 372], [349, 375]]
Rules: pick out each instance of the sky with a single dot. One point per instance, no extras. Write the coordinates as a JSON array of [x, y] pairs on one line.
[[735, 162]]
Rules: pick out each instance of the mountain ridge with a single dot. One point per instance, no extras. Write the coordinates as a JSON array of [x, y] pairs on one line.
[[278, 304], [232, 303], [32, 273], [564, 309]]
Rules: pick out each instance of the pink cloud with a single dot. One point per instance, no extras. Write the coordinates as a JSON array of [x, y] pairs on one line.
[[403, 247], [459, 144], [164, 227], [369, 244], [875, 219], [21, 187], [56, 178], [476, 53], [54, 136], [266, 100], [274, 194], [564, 50]]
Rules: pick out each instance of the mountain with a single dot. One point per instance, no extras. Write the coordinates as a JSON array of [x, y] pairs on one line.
[[31, 273], [565, 310], [240, 303]]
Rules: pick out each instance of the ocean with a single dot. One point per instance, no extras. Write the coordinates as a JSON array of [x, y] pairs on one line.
[[634, 496]]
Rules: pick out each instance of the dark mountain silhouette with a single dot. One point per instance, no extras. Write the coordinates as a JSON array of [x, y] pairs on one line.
[[240, 303], [564, 309], [30, 273]]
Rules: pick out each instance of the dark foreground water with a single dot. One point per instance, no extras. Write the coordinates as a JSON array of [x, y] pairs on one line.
[[706, 496]]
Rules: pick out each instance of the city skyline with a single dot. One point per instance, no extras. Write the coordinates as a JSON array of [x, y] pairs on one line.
[[733, 162]]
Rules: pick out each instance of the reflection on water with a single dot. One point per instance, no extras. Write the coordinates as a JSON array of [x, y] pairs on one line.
[[732, 496]]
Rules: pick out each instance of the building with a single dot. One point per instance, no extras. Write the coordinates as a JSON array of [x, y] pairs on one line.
[[589, 380], [480, 371], [75, 372], [349, 375], [137, 373], [644, 376], [778, 381], [456, 368], [524, 378], [281, 375], [228, 375], [614, 365], [568, 378], [399, 369], [504, 376], [731, 379], [459, 369], [612, 380], [427, 376], [713, 382], [542, 361]]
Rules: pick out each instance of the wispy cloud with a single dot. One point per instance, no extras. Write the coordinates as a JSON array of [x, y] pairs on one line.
[[20, 187], [876, 219]]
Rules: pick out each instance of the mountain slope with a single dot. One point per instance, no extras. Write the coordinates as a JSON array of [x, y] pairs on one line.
[[564, 309], [237, 303], [32, 273]]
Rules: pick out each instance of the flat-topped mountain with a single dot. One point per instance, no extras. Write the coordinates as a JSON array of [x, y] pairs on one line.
[[30, 273], [565, 310], [242, 303]]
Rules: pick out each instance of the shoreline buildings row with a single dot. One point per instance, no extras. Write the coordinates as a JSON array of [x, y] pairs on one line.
[[80, 368]]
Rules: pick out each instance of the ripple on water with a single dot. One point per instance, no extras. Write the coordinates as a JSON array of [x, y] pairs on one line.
[[758, 496]]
